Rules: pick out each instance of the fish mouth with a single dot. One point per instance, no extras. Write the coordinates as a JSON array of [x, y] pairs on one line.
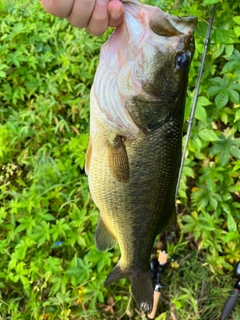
[[167, 25]]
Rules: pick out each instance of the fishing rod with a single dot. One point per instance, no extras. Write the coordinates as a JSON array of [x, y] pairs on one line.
[[194, 103], [235, 293], [159, 265], [233, 296]]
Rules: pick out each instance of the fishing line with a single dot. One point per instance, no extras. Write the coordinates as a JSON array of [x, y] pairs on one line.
[[194, 104]]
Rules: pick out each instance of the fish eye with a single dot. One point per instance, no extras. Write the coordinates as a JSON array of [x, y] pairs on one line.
[[183, 59]]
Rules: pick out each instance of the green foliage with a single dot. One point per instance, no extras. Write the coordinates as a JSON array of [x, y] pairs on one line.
[[50, 268], [190, 295], [213, 153], [47, 220]]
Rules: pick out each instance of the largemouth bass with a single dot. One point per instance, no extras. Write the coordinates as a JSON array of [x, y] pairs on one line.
[[134, 153]]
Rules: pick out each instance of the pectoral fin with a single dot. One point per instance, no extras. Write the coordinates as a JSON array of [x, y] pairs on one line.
[[118, 160], [103, 237], [88, 157]]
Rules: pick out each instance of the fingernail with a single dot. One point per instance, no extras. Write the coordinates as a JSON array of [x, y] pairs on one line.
[[116, 14]]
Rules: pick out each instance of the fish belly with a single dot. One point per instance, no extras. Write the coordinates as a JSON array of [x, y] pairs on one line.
[[136, 211]]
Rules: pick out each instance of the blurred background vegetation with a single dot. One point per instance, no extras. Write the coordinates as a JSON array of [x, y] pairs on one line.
[[49, 266]]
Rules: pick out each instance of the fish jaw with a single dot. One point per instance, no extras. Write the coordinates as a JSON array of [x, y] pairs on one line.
[[168, 25], [133, 58]]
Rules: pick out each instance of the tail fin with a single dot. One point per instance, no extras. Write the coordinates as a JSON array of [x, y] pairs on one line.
[[141, 283], [142, 289], [116, 274]]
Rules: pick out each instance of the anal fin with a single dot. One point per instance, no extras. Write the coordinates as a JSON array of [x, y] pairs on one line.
[[118, 160], [115, 275], [103, 237]]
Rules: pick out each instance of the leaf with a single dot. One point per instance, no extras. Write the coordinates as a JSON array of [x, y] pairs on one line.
[[234, 188], [224, 118], [208, 135], [229, 66], [235, 152], [235, 142], [228, 36], [203, 101], [3, 74], [4, 66], [213, 203], [189, 219], [211, 1], [234, 61], [237, 30], [48, 217], [163, 316], [229, 236], [188, 171], [226, 207], [234, 96], [224, 157], [219, 82], [237, 115], [221, 99], [20, 250], [73, 271], [217, 51], [229, 49], [200, 113], [196, 142], [202, 203], [212, 91], [237, 19], [232, 226], [81, 241]]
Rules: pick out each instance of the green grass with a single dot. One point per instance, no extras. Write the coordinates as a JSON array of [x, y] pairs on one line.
[[49, 266]]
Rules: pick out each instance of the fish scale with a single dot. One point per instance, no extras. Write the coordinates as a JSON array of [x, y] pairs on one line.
[[134, 152]]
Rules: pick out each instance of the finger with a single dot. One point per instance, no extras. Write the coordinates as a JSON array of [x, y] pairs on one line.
[[81, 13], [60, 8], [115, 22], [98, 23], [115, 10]]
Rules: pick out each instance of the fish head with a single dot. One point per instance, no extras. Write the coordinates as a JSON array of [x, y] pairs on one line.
[[145, 66], [159, 76], [167, 57]]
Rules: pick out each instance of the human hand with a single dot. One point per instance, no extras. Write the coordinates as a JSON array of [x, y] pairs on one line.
[[94, 15]]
